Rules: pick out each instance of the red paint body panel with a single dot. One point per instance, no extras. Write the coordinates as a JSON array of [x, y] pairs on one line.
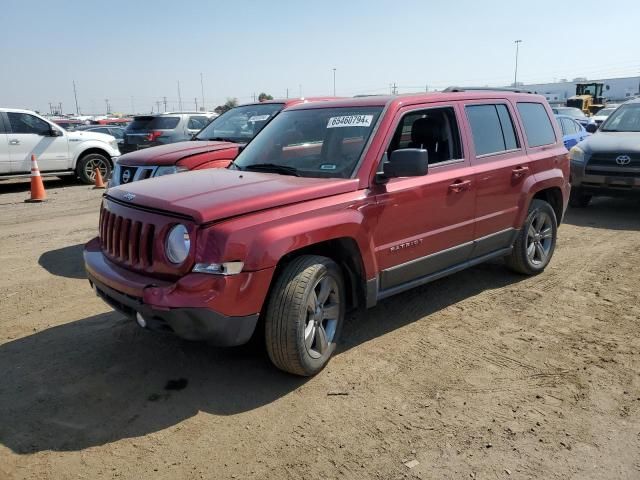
[[258, 218]]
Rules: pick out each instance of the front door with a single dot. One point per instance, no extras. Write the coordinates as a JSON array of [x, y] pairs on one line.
[[425, 223], [5, 160], [29, 135]]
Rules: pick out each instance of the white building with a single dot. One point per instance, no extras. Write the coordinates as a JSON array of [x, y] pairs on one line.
[[615, 89]]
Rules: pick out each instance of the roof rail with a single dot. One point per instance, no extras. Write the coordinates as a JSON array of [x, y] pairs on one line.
[[490, 89]]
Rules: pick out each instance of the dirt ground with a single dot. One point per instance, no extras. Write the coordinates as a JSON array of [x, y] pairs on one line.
[[481, 375]]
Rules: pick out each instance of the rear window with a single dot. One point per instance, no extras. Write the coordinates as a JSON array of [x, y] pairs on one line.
[[492, 128], [537, 125], [153, 123]]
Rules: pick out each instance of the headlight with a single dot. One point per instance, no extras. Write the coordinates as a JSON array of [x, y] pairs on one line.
[[576, 154], [169, 170], [178, 244], [227, 268], [113, 144]]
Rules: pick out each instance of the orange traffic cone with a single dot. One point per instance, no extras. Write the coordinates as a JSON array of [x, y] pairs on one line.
[[37, 187], [99, 182]]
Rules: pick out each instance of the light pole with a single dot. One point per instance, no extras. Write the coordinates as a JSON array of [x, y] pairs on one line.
[[515, 74], [202, 89], [334, 82]]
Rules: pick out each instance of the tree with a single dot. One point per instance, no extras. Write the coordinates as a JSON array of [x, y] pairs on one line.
[[264, 96], [228, 105]]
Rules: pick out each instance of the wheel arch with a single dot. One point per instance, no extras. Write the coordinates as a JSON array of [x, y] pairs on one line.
[[346, 253], [553, 196], [90, 150]]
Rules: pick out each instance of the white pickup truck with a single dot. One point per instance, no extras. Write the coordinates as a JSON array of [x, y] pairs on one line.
[[59, 153]]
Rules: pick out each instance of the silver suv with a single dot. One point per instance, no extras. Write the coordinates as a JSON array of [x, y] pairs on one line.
[[170, 127]]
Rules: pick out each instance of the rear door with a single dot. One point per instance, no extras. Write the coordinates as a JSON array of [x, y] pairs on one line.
[[30, 135], [425, 223], [5, 160], [502, 166]]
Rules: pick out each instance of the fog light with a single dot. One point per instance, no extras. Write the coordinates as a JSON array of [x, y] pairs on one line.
[[140, 320]]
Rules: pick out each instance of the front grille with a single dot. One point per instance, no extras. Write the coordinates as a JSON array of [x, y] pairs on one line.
[[605, 164], [127, 241]]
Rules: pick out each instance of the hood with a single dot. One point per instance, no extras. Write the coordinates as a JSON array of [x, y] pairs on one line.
[[212, 195], [172, 153], [84, 136], [612, 142]]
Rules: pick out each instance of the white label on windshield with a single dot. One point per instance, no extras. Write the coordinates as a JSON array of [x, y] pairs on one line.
[[259, 118], [350, 121]]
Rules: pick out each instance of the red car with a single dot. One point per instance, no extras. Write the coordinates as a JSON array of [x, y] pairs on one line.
[[214, 146], [332, 207]]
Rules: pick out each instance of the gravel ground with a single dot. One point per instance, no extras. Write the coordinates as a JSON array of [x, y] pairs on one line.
[[484, 374]]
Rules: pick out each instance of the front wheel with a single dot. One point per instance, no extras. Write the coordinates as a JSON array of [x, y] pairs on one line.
[[304, 316], [536, 241], [86, 168]]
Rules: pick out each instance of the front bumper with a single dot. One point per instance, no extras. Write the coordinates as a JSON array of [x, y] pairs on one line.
[[223, 310], [187, 323], [613, 184]]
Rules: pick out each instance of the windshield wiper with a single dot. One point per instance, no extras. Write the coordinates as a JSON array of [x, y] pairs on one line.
[[273, 167], [215, 139]]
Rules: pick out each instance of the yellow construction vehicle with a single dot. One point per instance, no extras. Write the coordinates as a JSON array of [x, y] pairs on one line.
[[588, 97]]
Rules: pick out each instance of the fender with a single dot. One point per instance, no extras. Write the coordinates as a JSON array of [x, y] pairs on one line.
[[553, 178], [262, 239], [82, 147]]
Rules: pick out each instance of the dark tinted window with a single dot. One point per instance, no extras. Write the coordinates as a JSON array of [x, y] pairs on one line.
[[492, 128], [537, 125], [117, 132], [434, 129], [25, 123], [153, 123], [508, 130]]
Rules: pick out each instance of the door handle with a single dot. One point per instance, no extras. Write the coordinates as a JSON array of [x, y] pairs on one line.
[[460, 186], [519, 172], [14, 142]]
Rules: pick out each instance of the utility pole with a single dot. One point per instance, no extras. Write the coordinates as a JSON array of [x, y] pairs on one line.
[[179, 97], [202, 90], [51, 108], [287, 93], [165, 104], [158, 105], [395, 88], [106, 101], [60, 108], [515, 74], [195, 100], [334, 81], [75, 95], [426, 88]]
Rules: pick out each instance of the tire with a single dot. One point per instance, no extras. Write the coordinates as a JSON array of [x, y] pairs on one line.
[[86, 168], [301, 333], [536, 241], [578, 199]]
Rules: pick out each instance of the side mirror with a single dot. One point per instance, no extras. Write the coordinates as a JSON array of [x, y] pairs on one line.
[[53, 132], [406, 162], [591, 128]]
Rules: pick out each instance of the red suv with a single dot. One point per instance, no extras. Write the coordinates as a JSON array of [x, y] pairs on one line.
[[213, 146], [332, 207]]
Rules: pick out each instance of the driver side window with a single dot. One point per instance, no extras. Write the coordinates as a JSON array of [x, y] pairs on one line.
[[433, 129], [25, 123]]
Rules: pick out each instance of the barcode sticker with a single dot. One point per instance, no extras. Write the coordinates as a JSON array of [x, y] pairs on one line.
[[350, 121], [259, 118]]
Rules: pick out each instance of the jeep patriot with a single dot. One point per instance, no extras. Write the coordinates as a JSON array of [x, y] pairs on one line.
[[334, 206]]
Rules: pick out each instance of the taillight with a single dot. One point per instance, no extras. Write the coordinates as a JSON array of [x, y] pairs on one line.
[[153, 135]]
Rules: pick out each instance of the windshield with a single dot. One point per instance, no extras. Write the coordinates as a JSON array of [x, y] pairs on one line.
[[605, 112], [572, 112], [320, 142], [240, 124], [624, 119]]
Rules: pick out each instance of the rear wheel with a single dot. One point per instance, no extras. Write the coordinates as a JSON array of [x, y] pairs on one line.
[[305, 313], [86, 168], [578, 199], [536, 241]]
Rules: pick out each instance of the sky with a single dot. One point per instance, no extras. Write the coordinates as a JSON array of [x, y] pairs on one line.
[[135, 52]]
